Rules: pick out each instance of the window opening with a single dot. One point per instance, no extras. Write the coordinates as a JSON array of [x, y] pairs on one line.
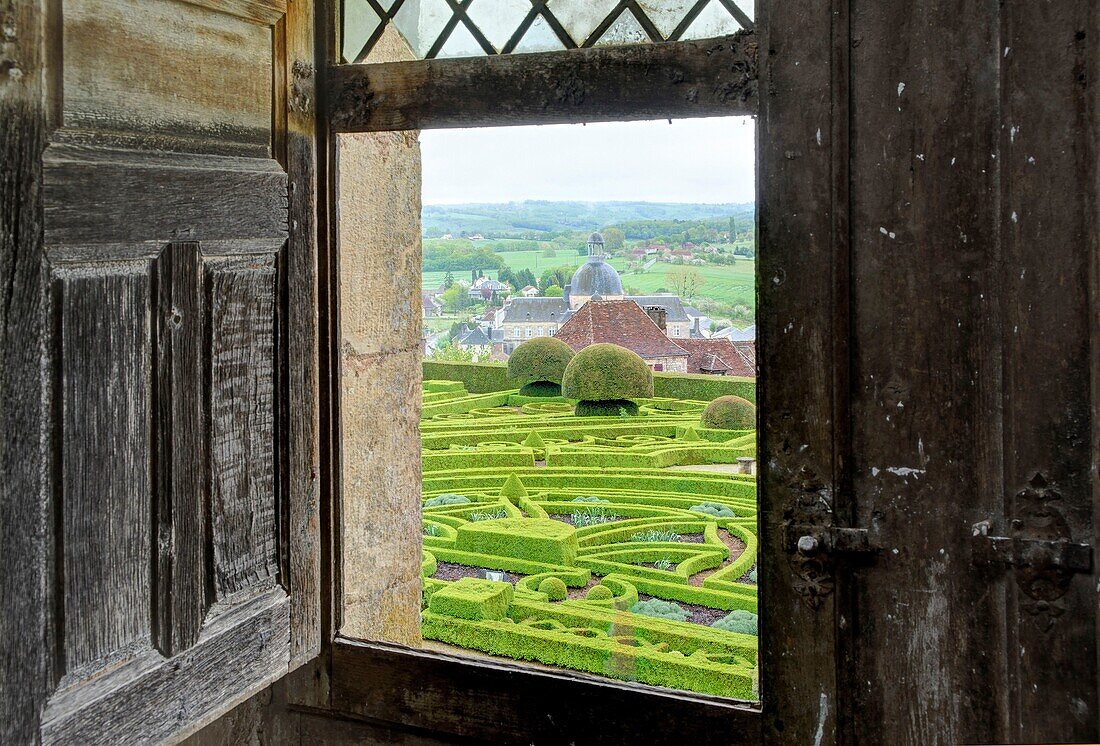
[[587, 432]]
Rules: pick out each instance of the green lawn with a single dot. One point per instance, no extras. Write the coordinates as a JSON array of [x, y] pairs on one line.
[[725, 284]]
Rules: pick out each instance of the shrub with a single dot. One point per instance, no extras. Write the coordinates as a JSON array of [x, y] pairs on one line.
[[479, 378], [738, 620], [431, 529], [664, 564], [592, 517], [730, 413], [590, 499], [656, 534], [554, 588], [538, 365], [599, 593], [701, 387], [659, 609], [715, 509], [472, 598], [752, 574], [538, 539], [489, 515], [606, 373], [611, 408], [447, 499], [513, 488]]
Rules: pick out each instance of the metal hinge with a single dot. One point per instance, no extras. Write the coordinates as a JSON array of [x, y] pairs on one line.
[[813, 540], [1037, 554]]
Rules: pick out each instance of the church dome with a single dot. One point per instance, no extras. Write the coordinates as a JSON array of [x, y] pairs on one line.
[[596, 277]]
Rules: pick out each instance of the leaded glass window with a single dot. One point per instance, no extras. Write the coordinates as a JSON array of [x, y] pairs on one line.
[[466, 28]]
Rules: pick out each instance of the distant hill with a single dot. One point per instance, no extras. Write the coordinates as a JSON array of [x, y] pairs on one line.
[[542, 219]]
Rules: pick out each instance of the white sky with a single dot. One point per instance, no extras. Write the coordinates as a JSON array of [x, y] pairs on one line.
[[689, 160]]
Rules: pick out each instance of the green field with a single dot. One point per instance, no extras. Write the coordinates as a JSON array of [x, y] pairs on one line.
[[723, 284]]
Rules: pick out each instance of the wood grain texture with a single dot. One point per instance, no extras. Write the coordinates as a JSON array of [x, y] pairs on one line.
[[926, 368], [238, 654], [179, 487], [103, 484], [191, 74], [1048, 182], [802, 286], [26, 639], [300, 428], [104, 195], [240, 297], [260, 11], [715, 77], [460, 699]]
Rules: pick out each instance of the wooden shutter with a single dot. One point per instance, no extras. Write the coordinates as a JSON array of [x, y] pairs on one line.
[[159, 343]]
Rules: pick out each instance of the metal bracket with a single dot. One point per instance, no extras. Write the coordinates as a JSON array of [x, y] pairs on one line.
[[813, 540], [1035, 554]]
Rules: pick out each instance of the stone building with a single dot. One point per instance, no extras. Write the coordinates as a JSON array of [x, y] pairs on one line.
[[524, 318]]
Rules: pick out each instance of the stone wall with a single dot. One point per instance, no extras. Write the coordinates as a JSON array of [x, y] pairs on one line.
[[378, 246]]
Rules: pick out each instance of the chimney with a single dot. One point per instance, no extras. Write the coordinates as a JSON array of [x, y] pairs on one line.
[[565, 294], [658, 314], [698, 333]]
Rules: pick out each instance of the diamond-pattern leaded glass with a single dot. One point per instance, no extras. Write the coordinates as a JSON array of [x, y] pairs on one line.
[[466, 28]]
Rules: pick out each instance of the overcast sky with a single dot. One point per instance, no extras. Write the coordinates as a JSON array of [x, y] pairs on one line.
[[689, 160]]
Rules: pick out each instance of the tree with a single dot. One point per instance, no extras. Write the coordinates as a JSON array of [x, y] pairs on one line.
[[507, 276], [613, 239], [553, 291], [455, 299], [525, 277], [448, 281], [559, 276], [685, 284], [452, 353]]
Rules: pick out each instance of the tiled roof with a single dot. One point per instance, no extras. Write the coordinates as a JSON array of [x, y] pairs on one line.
[[674, 307], [534, 310], [621, 322], [720, 356], [473, 338]]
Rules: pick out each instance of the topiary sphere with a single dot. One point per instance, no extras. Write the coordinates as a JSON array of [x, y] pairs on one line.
[[599, 593], [554, 588], [606, 373], [730, 413], [538, 366]]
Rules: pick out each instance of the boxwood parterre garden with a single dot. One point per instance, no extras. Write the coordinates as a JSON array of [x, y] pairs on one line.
[[574, 542]]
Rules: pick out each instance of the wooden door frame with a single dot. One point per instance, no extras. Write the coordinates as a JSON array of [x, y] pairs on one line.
[[801, 201]]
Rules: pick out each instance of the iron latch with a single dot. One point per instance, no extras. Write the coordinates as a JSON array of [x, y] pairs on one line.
[[1038, 554], [812, 540]]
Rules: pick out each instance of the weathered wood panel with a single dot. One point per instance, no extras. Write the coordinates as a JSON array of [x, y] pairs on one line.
[[464, 699], [193, 78], [715, 77], [239, 653], [101, 466], [926, 368], [1049, 223], [100, 195], [802, 284], [300, 431], [180, 488], [241, 354], [26, 639]]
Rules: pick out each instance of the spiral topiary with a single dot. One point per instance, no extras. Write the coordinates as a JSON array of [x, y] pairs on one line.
[[599, 593], [730, 413], [538, 366], [554, 588], [605, 379], [738, 620]]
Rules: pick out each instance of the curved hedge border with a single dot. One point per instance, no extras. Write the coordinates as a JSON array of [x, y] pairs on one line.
[[565, 503]]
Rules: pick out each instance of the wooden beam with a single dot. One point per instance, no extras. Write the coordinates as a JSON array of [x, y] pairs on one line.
[[714, 77], [503, 702]]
